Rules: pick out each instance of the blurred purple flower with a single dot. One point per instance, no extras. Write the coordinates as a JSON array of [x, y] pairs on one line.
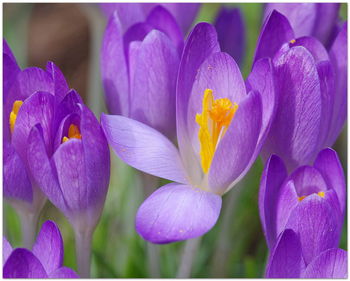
[[219, 136], [310, 201], [230, 27], [131, 13], [44, 261], [139, 68], [311, 86], [287, 261], [27, 95], [319, 20]]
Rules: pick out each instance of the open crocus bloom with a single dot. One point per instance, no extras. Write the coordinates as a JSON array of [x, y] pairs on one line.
[[44, 261], [310, 201], [220, 129], [311, 86], [287, 261]]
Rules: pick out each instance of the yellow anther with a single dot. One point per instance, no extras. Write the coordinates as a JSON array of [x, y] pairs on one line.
[[213, 123], [292, 41], [301, 197], [321, 194], [13, 115], [73, 132]]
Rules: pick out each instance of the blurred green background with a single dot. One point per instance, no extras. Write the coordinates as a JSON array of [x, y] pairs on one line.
[[235, 247]]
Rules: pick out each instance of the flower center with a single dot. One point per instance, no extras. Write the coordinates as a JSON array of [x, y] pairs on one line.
[[213, 123], [321, 194], [13, 115], [73, 132]]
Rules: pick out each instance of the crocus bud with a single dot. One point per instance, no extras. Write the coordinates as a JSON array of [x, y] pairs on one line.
[[44, 261]]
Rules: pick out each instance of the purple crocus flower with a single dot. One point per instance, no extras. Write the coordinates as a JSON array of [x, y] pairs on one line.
[[286, 260], [230, 27], [45, 260], [310, 201], [26, 95], [139, 68], [309, 19], [221, 124], [131, 13], [311, 87]]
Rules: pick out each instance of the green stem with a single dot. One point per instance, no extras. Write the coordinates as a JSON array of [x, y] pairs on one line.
[[83, 241], [188, 255], [29, 222]]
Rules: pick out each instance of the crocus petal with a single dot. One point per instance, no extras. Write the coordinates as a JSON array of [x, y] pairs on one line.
[[286, 260], [219, 72], [177, 212], [60, 83], [230, 27], [42, 170], [296, 127], [10, 69], [16, 181], [162, 20], [7, 50], [143, 148], [37, 109], [339, 59], [6, 250], [23, 264], [48, 247], [63, 273], [327, 162], [332, 263], [114, 68], [275, 31], [316, 224], [327, 15], [154, 83], [200, 44], [237, 147], [271, 180], [136, 32], [261, 79]]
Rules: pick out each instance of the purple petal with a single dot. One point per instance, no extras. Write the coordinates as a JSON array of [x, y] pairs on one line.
[[48, 247], [114, 68], [271, 180], [154, 83], [42, 170], [96, 154], [230, 27], [162, 20], [235, 150], [37, 109], [177, 212], [286, 260], [294, 134], [136, 32], [327, 162], [23, 264], [332, 263], [143, 148], [219, 72], [6, 249], [316, 223], [261, 79], [338, 54], [10, 69], [63, 273], [275, 32], [6, 50], [16, 181], [61, 86], [194, 54]]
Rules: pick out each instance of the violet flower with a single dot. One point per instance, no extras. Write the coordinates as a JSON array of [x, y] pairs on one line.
[[220, 129], [309, 19], [131, 13], [311, 87], [139, 69], [286, 260], [26, 97], [45, 260], [230, 27], [75, 176], [310, 201]]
